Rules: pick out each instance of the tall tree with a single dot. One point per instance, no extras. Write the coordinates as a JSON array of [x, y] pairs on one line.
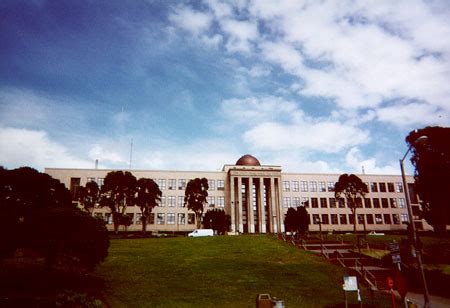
[[147, 196], [88, 196], [217, 220], [354, 190], [297, 220], [195, 197], [431, 159], [117, 193]]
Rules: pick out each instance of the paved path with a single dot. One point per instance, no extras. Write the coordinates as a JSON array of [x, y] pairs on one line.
[[436, 301]]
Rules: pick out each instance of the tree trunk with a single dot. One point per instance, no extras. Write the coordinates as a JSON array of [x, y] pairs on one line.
[[354, 220], [144, 224], [198, 216], [115, 222]]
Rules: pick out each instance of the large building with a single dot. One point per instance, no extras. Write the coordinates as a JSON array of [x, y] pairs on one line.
[[257, 198]]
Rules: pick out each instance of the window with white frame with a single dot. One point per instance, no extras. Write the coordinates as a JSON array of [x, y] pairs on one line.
[[332, 202], [172, 184], [160, 218], [395, 219], [220, 185], [399, 187], [304, 186], [211, 184], [171, 201], [191, 219], [322, 186], [100, 182], [286, 186], [331, 186], [180, 201], [170, 218], [393, 202], [181, 218], [220, 201], [378, 219], [313, 186], [286, 202], [90, 179], [139, 218], [162, 184], [401, 203], [162, 202], [296, 202], [181, 184], [404, 218], [210, 201], [305, 201], [295, 186]]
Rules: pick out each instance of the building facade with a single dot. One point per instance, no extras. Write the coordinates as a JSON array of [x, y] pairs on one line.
[[257, 198]]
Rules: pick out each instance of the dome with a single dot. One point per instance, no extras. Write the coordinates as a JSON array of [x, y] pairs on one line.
[[248, 160]]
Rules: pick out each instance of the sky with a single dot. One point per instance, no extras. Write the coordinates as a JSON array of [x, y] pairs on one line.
[[312, 86]]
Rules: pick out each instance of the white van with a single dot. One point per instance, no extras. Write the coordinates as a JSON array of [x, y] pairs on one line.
[[201, 232]]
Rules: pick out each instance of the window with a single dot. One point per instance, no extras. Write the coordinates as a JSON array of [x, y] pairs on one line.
[[343, 219], [404, 218], [369, 218], [181, 218], [382, 187], [180, 201], [210, 201], [330, 186], [378, 219], [211, 184], [393, 202], [373, 187], [162, 184], [181, 184], [399, 187], [89, 179], [295, 186], [305, 201], [384, 203], [332, 202], [396, 219], [376, 203], [322, 186], [323, 202], [350, 218], [139, 218], [367, 203], [341, 202], [74, 184], [163, 201], [220, 185], [108, 218], [160, 218], [151, 219], [360, 219], [314, 203], [334, 219], [99, 216], [387, 219], [171, 201], [172, 183], [191, 219], [316, 219], [170, 218], [286, 186], [325, 219], [390, 187], [401, 203], [304, 186], [287, 202], [100, 182], [296, 202], [313, 185], [220, 201], [358, 202]]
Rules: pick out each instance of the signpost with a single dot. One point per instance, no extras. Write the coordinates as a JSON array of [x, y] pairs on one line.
[[351, 285], [394, 247]]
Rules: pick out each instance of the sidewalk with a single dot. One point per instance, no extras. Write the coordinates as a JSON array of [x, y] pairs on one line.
[[436, 301]]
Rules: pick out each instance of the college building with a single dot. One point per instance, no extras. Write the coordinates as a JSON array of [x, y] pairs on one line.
[[257, 198]]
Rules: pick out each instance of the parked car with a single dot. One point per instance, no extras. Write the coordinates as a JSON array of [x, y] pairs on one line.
[[201, 232]]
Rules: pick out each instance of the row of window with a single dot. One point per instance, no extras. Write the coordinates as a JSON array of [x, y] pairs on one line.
[[158, 218], [369, 219], [322, 186], [172, 201], [340, 202], [171, 184]]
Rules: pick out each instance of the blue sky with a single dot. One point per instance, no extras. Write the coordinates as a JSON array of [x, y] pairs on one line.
[[313, 86]]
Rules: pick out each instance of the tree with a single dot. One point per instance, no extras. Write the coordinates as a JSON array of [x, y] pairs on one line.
[[88, 196], [297, 220], [354, 190], [217, 220], [118, 192], [147, 196], [195, 197], [431, 159]]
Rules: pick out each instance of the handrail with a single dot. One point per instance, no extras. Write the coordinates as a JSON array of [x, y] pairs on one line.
[[340, 258], [303, 244], [365, 274]]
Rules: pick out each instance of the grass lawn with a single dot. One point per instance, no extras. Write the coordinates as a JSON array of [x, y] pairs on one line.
[[222, 271]]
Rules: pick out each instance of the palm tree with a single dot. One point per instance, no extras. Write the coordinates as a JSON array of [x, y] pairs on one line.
[[195, 197], [118, 192], [354, 190], [88, 196], [147, 196]]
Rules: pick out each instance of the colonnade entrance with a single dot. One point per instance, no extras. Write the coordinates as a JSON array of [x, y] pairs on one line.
[[255, 201]]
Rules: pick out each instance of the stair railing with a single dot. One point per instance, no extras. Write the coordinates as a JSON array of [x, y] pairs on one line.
[[366, 274]]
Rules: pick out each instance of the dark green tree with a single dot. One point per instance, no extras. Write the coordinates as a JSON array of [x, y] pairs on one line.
[[88, 196], [297, 220], [195, 197], [117, 193], [147, 196], [217, 220], [431, 159], [354, 190]]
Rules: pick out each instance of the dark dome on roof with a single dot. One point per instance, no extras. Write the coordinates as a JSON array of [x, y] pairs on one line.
[[248, 160]]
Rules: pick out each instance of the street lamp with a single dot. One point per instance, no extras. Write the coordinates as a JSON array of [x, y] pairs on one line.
[[426, 295]]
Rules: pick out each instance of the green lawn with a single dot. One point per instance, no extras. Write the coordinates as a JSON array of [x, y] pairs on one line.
[[223, 271]]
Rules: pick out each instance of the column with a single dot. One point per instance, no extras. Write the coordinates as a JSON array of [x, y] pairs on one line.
[[232, 205], [273, 209], [250, 213], [262, 210], [239, 206], [280, 207]]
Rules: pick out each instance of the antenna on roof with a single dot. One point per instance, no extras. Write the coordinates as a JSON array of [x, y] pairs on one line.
[[131, 151], [363, 172], [96, 164]]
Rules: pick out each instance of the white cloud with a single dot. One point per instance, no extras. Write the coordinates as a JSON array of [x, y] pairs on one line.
[[355, 160], [190, 20], [240, 35], [98, 152], [24, 147]]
